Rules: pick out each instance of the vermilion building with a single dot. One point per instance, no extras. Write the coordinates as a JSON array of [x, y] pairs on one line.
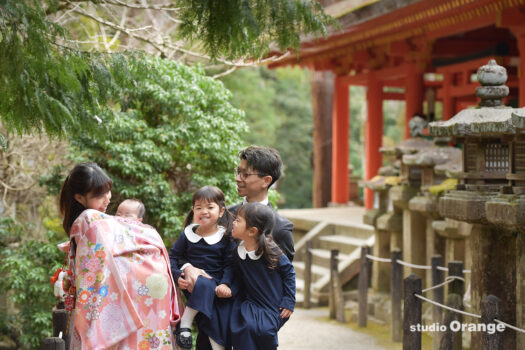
[[428, 49]]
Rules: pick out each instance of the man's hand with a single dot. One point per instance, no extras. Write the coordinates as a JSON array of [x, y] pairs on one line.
[[285, 313], [183, 284], [191, 274], [223, 291]]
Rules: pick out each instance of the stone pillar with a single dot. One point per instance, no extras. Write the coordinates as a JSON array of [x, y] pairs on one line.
[[381, 271], [494, 272], [322, 85], [430, 247], [414, 240], [396, 240], [520, 289], [340, 142], [374, 134]]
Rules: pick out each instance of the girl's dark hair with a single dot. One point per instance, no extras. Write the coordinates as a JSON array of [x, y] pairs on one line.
[[211, 194], [84, 178], [262, 218]]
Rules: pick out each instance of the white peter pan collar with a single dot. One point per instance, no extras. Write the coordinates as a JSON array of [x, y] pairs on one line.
[[194, 238], [241, 250]]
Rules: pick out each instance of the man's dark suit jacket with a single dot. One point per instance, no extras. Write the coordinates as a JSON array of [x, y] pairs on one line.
[[282, 235]]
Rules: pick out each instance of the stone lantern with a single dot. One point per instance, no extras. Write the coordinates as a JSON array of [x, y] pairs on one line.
[[411, 237], [490, 196], [426, 203], [380, 184]]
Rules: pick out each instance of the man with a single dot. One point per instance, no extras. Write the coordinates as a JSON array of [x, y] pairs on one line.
[[258, 169]]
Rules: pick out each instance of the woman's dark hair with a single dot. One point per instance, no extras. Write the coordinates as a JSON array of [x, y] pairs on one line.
[[84, 178], [262, 218], [211, 194]]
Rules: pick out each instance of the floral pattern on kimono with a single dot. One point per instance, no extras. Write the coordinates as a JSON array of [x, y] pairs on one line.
[[125, 295]]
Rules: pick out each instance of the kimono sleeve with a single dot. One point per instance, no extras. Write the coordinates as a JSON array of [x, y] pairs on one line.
[[287, 273]]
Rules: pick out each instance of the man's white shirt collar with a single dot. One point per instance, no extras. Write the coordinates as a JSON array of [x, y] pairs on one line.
[[264, 201], [194, 237], [241, 250]]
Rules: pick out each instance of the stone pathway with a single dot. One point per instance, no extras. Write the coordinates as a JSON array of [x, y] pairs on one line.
[[304, 331]]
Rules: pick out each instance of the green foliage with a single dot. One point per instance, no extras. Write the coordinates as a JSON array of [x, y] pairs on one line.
[[175, 132], [238, 28], [253, 91], [357, 129], [279, 112], [294, 136], [53, 179], [46, 86], [25, 270]]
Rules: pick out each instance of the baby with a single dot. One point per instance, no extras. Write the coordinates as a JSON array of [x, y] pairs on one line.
[[132, 209]]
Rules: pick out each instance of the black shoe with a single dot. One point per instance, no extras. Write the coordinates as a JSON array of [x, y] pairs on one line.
[[183, 341]]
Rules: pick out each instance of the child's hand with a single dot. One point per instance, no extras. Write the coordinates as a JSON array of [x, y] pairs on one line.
[[223, 291], [183, 284], [285, 313]]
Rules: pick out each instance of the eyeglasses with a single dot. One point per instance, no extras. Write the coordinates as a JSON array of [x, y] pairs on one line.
[[243, 174]]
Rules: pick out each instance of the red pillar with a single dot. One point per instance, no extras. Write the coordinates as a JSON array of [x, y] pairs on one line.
[[374, 134], [414, 95], [449, 104], [340, 149], [521, 70]]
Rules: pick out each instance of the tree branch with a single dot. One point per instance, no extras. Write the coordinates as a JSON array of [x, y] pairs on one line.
[[229, 71], [162, 7]]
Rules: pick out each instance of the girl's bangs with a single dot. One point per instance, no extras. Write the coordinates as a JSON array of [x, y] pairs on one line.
[[208, 194]]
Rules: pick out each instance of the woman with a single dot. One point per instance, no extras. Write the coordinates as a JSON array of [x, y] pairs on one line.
[[125, 296]]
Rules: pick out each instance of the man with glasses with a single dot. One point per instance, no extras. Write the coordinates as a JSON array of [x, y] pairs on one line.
[[258, 169]]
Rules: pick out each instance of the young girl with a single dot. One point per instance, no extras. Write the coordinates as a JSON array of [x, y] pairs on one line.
[[125, 296], [265, 278], [205, 244]]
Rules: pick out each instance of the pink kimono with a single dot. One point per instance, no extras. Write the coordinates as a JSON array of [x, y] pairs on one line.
[[125, 295]]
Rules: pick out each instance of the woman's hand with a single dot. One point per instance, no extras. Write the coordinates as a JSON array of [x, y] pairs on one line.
[[285, 313], [183, 284], [223, 291]]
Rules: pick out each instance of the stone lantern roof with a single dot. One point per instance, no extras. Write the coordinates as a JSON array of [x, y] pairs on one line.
[[452, 169], [408, 146], [491, 117], [433, 156]]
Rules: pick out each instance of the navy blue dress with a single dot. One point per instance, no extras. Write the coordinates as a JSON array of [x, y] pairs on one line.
[[256, 317], [213, 254]]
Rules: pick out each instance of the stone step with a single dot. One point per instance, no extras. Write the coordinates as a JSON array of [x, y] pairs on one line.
[[317, 271], [356, 231], [321, 257], [345, 244]]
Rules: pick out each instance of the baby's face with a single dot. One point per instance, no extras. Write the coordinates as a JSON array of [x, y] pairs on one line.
[[128, 210]]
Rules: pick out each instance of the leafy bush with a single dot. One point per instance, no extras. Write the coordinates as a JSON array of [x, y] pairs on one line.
[[174, 131], [25, 268]]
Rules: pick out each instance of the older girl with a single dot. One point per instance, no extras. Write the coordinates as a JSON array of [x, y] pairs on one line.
[[206, 244]]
